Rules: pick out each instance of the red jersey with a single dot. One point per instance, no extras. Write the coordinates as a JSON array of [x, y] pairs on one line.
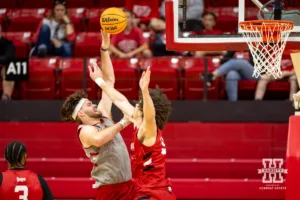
[[148, 163], [20, 184], [286, 64], [144, 9], [127, 42]]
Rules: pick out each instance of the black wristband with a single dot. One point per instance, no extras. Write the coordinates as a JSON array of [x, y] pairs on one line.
[[102, 49]]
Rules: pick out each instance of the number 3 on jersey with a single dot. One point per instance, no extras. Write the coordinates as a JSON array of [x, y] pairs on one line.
[[163, 149], [24, 189]]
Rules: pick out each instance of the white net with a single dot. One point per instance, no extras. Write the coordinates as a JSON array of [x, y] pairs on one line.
[[266, 41]]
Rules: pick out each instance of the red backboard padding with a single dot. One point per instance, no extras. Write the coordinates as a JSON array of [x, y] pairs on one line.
[[293, 160]]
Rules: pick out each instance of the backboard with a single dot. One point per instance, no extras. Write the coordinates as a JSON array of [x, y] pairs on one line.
[[229, 14]]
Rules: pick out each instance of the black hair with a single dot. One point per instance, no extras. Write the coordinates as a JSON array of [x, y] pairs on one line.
[[14, 153]]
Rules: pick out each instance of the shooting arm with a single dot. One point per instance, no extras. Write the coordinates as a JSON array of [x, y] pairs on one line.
[[108, 75], [117, 98], [92, 136]]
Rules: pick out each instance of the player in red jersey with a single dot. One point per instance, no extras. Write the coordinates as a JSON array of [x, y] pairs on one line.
[[149, 116], [19, 183]]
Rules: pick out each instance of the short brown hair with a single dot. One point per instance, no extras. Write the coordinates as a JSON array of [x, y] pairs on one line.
[[162, 106], [69, 106], [211, 14]]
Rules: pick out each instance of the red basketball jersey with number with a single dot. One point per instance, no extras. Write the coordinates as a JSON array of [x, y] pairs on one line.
[[20, 184], [148, 163]]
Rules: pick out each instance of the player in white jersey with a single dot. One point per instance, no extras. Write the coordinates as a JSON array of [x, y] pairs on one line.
[[100, 137]]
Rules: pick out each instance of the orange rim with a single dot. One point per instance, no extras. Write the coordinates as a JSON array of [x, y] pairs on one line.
[[257, 24]]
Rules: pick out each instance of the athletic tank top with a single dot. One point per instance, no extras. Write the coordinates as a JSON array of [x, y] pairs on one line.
[[111, 161], [148, 163], [20, 184]]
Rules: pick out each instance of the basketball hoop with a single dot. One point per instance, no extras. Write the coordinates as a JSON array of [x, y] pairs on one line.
[[266, 40]]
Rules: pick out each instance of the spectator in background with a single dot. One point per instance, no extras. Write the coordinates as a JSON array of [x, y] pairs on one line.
[[288, 73], [131, 42], [236, 66], [194, 12], [7, 54], [144, 10], [55, 35], [158, 38], [209, 20]]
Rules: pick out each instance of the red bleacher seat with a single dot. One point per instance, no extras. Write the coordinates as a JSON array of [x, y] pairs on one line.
[[36, 4], [72, 75], [218, 140], [4, 13], [176, 168], [26, 19], [78, 18], [126, 77], [165, 74], [80, 3], [184, 189], [279, 86], [247, 84], [8, 4], [21, 41], [193, 84], [88, 44], [93, 16], [42, 79], [107, 4], [248, 87]]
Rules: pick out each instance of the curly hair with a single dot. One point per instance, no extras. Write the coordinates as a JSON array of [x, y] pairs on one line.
[[69, 106], [162, 106]]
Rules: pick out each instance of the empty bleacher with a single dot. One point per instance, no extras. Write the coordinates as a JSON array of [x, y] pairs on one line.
[[205, 160]]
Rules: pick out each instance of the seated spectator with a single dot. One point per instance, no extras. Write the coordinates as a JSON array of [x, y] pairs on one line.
[[158, 38], [144, 10], [7, 54], [131, 42], [288, 73], [194, 12], [55, 35], [209, 20], [236, 66]]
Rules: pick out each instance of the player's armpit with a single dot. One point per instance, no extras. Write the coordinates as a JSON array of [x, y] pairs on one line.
[[47, 194], [1, 178], [92, 136]]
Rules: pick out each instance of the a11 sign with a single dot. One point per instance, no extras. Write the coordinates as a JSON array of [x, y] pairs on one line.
[[17, 70]]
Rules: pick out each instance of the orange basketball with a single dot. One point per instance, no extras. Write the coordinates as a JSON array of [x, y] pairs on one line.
[[113, 20]]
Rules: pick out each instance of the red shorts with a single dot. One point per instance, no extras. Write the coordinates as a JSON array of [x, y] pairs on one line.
[[119, 191], [161, 193]]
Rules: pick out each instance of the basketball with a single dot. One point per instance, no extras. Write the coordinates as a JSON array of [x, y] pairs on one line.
[[113, 20]]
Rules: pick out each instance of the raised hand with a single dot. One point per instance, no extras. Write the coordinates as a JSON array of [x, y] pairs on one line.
[[105, 39], [145, 79], [95, 71], [66, 19]]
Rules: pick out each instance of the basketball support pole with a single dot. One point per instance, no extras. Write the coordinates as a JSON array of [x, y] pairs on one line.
[[293, 146]]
